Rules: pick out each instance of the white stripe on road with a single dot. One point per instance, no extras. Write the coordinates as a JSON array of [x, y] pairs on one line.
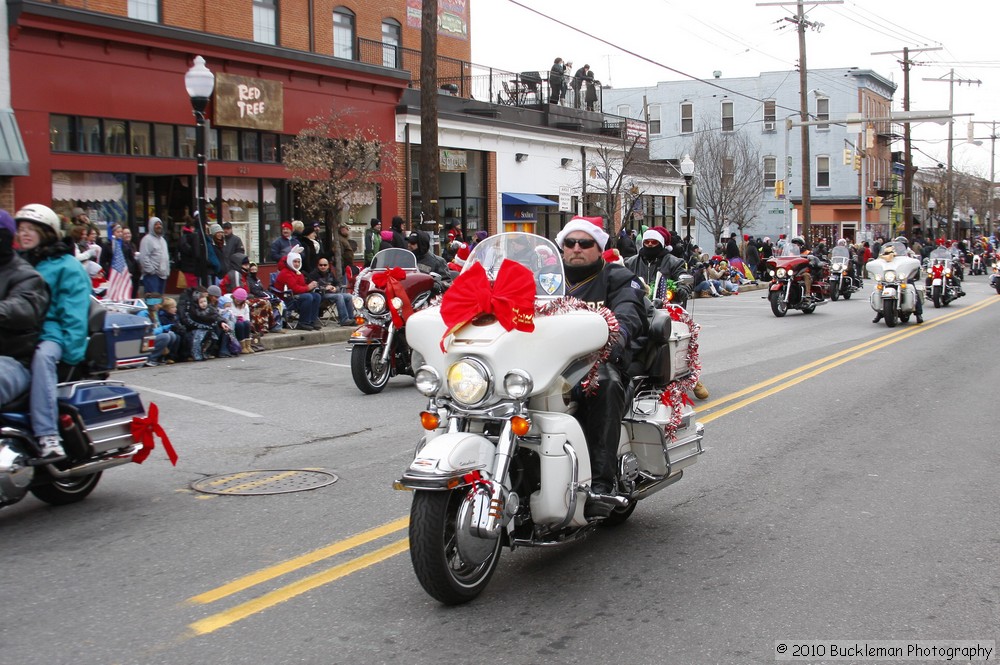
[[202, 402], [317, 362]]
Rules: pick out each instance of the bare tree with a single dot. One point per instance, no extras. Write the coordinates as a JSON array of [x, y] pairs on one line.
[[730, 180], [609, 166], [333, 162]]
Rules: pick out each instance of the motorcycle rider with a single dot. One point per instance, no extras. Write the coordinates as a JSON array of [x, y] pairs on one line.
[[420, 244], [653, 258], [64, 333], [23, 299], [815, 265], [598, 283], [888, 254]]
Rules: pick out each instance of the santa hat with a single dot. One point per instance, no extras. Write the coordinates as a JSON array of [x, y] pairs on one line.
[[612, 256], [652, 235], [461, 255], [592, 226], [665, 233]]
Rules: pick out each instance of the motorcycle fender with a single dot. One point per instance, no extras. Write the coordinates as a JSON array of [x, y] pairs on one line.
[[937, 282], [447, 457], [888, 292], [369, 333], [776, 286]]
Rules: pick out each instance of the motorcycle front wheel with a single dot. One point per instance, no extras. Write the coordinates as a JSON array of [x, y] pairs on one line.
[[64, 492], [889, 313], [835, 291], [779, 307], [370, 375], [435, 550], [936, 296]]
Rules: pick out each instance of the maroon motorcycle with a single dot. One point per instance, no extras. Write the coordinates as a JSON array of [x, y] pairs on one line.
[[385, 295], [788, 291]]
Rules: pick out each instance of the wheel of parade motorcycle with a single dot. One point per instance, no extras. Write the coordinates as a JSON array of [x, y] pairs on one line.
[[452, 567], [64, 492], [889, 313], [619, 515], [846, 294], [369, 374], [997, 285], [936, 296], [779, 307], [835, 291], [808, 309]]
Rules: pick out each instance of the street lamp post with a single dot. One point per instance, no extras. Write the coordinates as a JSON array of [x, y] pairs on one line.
[[931, 205], [200, 82], [687, 170]]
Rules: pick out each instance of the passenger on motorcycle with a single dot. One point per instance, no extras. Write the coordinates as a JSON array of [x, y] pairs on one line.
[[655, 259], [23, 299], [64, 333], [420, 244], [598, 283]]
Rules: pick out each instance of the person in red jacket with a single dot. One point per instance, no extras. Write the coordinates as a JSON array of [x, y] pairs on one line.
[[306, 301]]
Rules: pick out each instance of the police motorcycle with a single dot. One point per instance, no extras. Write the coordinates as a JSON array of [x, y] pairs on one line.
[[895, 294], [385, 295], [942, 282], [102, 423], [503, 462], [842, 281]]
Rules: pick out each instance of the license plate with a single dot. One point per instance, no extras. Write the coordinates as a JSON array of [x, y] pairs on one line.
[[889, 293]]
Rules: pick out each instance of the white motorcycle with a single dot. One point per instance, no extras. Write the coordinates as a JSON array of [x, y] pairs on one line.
[[896, 292], [503, 461]]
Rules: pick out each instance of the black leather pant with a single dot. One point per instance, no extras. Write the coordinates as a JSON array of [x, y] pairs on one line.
[[601, 415]]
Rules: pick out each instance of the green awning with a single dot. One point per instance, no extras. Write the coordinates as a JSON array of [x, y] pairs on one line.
[[13, 158]]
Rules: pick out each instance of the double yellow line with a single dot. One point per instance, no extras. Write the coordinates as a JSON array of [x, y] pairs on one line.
[[272, 598], [741, 398], [707, 413]]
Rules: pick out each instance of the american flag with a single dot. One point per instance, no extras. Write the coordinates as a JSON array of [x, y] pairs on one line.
[[120, 281]]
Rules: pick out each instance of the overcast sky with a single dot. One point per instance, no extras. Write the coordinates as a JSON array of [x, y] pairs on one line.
[[673, 40]]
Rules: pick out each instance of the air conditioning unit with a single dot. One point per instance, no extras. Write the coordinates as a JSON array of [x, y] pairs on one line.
[[768, 126], [875, 184]]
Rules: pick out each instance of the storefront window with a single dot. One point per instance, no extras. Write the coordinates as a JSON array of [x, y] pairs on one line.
[[213, 143], [269, 148], [163, 140], [251, 147], [140, 133], [230, 147], [115, 141], [60, 133], [90, 135], [186, 140]]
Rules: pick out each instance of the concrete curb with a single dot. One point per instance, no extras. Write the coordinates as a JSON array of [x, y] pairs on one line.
[[293, 338]]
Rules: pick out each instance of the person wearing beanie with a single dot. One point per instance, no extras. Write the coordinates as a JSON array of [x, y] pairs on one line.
[[283, 243], [398, 235], [372, 240], [23, 301], [238, 315], [597, 283], [64, 333], [419, 242], [654, 264]]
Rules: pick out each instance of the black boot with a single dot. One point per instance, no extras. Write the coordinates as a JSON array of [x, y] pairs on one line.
[[878, 317], [920, 319]]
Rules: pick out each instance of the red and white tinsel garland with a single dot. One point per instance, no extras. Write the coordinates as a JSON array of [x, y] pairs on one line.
[[675, 395]]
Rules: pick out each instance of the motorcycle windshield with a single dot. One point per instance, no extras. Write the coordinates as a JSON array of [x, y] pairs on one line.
[[841, 253], [394, 257], [537, 254], [940, 255]]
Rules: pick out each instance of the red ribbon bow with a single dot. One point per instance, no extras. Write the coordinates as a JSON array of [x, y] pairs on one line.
[[143, 430], [511, 298], [391, 281]]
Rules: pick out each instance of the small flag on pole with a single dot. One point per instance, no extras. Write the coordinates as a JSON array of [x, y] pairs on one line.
[[119, 281]]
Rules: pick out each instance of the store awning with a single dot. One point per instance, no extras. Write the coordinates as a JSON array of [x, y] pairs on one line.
[[69, 186], [526, 200], [245, 190], [13, 157]]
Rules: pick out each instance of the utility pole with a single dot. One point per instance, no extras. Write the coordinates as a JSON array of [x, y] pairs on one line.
[[908, 153], [949, 192], [993, 151], [801, 24]]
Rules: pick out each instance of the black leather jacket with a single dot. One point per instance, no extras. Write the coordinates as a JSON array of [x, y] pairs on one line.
[[24, 298]]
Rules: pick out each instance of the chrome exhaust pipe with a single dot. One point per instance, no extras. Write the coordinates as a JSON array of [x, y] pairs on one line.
[[112, 459]]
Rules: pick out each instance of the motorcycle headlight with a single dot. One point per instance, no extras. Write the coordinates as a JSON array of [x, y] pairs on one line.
[[427, 381], [782, 272], [469, 381], [837, 266], [375, 303], [771, 273], [358, 302], [517, 384], [397, 304], [890, 276]]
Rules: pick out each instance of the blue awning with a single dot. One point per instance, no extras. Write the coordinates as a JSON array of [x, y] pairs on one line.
[[13, 158], [526, 200]]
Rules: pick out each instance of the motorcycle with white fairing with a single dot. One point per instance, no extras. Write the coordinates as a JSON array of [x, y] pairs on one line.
[[896, 291], [503, 462]]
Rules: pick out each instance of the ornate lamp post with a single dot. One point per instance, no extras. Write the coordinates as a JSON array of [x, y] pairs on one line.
[[931, 205], [687, 170], [200, 82]]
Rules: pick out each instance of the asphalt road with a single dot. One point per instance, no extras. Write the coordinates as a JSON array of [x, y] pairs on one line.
[[848, 491]]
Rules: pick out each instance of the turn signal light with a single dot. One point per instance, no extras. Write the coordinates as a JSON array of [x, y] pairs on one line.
[[429, 421], [520, 425]]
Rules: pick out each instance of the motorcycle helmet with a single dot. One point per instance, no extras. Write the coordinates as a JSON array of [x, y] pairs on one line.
[[41, 215], [798, 240], [902, 239]]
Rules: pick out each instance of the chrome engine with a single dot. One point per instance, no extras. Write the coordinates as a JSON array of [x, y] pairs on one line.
[[15, 473]]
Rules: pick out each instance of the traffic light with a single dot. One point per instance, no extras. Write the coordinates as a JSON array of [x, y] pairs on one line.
[[870, 201], [857, 161], [847, 157], [779, 189]]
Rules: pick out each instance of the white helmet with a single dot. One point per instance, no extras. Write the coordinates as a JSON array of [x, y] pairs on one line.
[[41, 215]]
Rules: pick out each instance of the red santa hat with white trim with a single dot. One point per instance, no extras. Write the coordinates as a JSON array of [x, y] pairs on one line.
[[592, 226]]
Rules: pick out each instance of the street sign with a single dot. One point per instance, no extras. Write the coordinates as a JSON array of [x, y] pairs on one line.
[[565, 199], [854, 122]]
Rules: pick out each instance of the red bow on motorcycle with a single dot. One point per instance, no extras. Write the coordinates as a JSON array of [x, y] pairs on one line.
[[391, 281], [511, 298], [143, 430]]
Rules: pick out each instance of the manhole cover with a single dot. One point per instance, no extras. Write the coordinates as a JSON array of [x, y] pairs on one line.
[[264, 481]]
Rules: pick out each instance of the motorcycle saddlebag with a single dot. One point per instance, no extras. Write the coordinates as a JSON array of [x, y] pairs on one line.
[[106, 409], [664, 356], [124, 336]]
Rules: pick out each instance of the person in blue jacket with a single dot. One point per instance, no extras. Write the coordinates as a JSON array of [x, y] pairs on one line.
[[64, 332]]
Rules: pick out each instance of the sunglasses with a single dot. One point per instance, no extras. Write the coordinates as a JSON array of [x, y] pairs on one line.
[[649, 243], [323, 265], [584, 243]]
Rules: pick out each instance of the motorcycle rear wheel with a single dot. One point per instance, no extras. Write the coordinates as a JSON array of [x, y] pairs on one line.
[[369, 375], [64, 492], [779, 307], [889, 313], [434, 549]]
